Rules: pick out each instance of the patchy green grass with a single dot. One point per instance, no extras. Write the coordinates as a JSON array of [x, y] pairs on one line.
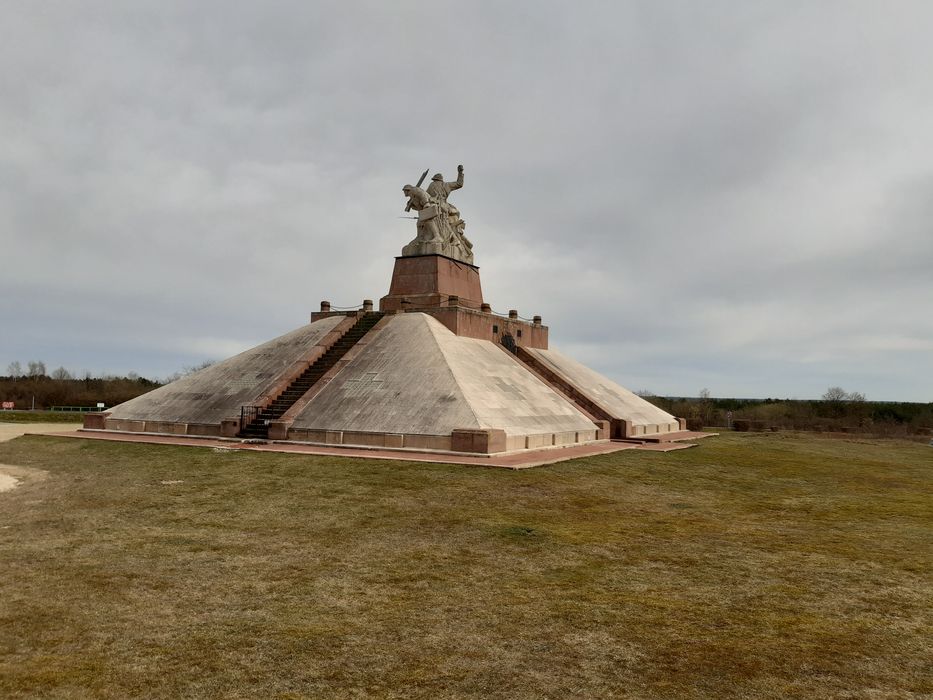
[[753, 566], [41, 417]]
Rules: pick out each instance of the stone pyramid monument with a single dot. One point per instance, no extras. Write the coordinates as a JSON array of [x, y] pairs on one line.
[[433, 369]]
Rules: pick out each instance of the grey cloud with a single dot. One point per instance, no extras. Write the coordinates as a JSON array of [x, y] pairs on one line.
[[724, 195]]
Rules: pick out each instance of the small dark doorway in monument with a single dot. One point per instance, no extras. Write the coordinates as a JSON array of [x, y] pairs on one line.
[[509, 342]]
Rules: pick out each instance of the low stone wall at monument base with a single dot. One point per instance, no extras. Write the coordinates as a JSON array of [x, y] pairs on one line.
[[476, 441], [633, 430], [470, 441], [154, 427], [102, 421]]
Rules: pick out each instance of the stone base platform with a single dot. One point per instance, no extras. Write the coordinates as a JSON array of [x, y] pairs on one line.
[[663, 446], [471, 441], [675, 437], [515, 460]]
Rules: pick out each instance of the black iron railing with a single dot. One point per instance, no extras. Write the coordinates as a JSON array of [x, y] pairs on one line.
[[248, 414]]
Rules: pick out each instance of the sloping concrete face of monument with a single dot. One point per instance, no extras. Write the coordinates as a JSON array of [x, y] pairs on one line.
[[630, 415], [417, 385], [198, 403], [434, 369]]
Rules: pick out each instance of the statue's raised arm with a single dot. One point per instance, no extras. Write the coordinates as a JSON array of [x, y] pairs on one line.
[[458, 183]]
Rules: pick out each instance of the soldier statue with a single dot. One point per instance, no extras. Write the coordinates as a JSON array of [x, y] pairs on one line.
[[440, 228]]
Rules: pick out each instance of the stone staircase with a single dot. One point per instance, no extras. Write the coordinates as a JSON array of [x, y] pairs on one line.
[[258, 427]]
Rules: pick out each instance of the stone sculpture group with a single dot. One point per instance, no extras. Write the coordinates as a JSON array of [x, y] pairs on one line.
[[440, 228]]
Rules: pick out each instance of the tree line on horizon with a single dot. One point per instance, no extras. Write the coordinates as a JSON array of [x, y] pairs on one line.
[[34, 385], [836, 411]]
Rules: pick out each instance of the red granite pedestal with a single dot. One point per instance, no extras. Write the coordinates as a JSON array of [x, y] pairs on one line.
[[424, 281]]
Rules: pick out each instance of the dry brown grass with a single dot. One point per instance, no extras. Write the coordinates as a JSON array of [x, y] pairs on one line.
[[754, 566]]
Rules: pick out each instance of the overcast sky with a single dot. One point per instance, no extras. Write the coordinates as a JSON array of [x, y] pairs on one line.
[[730, 195]]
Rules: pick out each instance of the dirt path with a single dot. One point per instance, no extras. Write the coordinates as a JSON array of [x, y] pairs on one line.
[[7, 482], [12, 476], [8, 431]]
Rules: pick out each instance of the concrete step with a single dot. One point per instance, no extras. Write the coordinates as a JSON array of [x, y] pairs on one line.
[[678, 436]]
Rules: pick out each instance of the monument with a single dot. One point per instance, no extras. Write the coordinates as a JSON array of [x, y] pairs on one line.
[[433, 369]]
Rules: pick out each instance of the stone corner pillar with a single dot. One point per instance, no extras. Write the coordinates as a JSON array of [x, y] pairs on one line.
[[278, 429], [229, 427], [481, 441], [96, 421], [602, 429]]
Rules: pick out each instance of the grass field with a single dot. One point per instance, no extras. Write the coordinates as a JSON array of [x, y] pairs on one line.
[[41, 417], [753, 566]]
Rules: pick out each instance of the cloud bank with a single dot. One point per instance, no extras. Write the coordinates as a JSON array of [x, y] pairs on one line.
[[721, 195]]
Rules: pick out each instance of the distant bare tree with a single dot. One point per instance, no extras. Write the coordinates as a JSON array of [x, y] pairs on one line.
[[36, 369], [188, 369], [706, 406], [14, 369], [199, 367], [836, 394], [842, 404], [61, 374]]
